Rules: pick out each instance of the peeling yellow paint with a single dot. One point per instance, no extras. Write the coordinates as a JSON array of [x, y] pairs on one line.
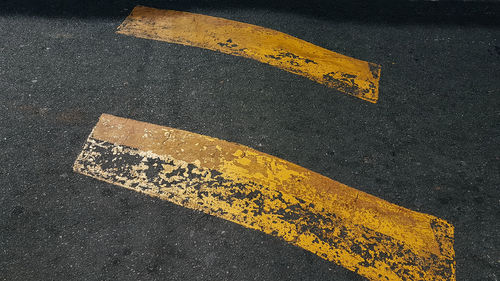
[[363, 233], [346, 74]]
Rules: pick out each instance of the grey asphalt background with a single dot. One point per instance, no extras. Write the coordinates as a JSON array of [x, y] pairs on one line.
[[431, 144]]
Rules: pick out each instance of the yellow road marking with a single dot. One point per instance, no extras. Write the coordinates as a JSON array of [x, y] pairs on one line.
[[361, 232], [348, 75]]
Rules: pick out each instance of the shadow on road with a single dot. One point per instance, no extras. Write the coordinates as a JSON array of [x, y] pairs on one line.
[[373, 11]]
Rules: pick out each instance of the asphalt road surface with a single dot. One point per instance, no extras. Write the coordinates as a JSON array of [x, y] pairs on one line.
[[430, 144]]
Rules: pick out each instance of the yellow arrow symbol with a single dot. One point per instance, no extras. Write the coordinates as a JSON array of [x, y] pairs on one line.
[[361, 232], [346, 74]]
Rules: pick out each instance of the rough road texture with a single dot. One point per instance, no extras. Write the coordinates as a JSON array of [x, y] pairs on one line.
[[430, 144]]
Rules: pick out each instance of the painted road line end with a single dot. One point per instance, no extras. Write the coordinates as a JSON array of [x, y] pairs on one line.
[[363, 233], [348, 75]]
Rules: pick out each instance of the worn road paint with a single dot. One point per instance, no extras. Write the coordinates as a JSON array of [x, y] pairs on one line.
[[348, 75], [361, 232]]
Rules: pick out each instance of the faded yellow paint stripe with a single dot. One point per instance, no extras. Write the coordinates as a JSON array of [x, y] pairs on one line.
[[346, 74], [363, 233]]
